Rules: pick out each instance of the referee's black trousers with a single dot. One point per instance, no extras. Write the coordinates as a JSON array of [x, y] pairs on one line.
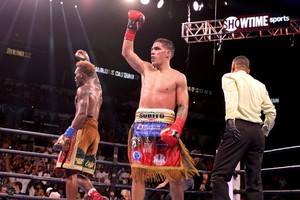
[[249, 151]]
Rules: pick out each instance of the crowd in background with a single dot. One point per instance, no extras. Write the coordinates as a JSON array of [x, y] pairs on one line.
[[45, 167], [23, 107]]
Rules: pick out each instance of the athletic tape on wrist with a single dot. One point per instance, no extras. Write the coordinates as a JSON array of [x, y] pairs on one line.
[[70, 132], [179, 123], [130, 34]]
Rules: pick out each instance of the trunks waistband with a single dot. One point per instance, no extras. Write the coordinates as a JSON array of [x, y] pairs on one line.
[[90, 122], [154, 115]]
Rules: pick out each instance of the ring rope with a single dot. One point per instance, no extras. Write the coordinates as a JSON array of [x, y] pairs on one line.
[[282, 149], [18, 196], [115, 163]]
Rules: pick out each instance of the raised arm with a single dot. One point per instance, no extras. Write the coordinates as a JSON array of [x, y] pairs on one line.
[[135, 20]]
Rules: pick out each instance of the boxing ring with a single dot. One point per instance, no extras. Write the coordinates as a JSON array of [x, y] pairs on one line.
[[235, 187]]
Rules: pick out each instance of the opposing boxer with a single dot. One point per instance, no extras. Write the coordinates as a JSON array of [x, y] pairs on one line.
[[154, 147], [79, 144]]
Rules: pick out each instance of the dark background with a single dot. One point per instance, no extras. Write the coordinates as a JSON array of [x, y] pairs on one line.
[[52, 32]]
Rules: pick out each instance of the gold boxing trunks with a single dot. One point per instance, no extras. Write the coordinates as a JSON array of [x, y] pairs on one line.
[[83, 149]]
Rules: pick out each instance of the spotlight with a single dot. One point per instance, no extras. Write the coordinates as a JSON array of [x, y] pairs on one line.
[[145, 2], [160, 3], [197, 5]]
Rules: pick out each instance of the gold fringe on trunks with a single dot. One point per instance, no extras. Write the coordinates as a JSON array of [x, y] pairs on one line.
[[159, 173]]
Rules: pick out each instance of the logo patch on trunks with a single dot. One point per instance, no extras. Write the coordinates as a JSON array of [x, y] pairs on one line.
[[137, 155], [159, 159], [148, 146], [152, 115], [148, 129]]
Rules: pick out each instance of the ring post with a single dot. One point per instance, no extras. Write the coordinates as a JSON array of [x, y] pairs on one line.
[[235, 183]]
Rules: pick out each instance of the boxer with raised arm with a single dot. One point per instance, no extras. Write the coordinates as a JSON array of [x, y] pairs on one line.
[[154, 147], [79, 144]]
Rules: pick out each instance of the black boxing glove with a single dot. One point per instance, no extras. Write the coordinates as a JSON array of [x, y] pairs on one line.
[[231, 130], [135, 20]]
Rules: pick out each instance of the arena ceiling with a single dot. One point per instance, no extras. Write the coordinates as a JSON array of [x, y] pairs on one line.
[[39, 38]]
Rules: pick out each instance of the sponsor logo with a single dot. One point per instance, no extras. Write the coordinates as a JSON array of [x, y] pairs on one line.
[[246, 23], [116, 73], [161, 145], [284, 18], [148, 146], [159, 159], [139, 127], [254, 22], [79, 161], [135, 141], [136, 155], [283, 21], [150, 116], [90, 164]]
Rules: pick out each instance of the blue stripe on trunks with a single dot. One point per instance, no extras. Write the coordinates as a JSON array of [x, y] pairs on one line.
[[145, 129]]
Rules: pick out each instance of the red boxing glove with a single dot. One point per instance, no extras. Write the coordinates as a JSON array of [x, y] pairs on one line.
[[170, 134], [135, 20]]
